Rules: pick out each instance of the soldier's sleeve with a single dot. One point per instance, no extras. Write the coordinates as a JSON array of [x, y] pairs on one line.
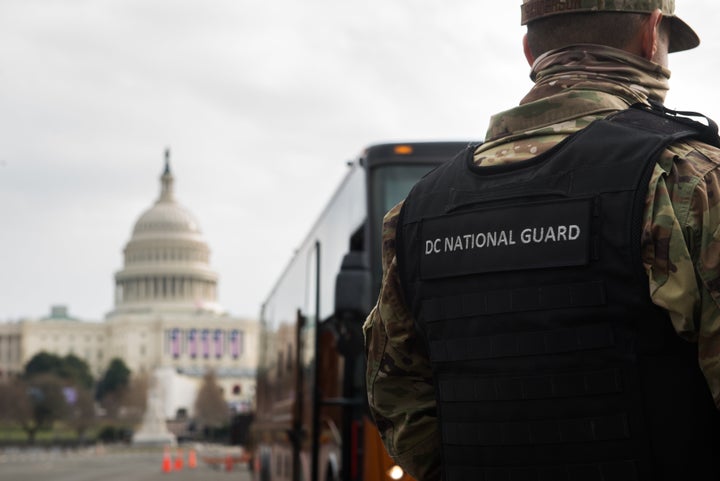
[[399, 377], [682, 250], [706, 210]]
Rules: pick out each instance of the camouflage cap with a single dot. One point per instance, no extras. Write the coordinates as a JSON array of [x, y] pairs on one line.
[[682, 37]]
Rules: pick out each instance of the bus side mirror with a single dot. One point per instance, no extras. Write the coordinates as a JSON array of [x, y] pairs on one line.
[[353, 300]]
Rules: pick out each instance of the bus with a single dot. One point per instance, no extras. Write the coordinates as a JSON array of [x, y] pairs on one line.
[[311, 421]]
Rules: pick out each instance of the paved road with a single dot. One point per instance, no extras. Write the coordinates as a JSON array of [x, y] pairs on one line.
[[108, 465]]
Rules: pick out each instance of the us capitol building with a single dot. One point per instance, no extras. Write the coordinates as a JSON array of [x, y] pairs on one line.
[[166, 321]]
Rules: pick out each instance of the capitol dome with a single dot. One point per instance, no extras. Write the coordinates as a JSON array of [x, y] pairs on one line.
[[167, 260], [164, 218]]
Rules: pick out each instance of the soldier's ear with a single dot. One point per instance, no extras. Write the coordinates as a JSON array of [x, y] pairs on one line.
[[650, 36], [528, 52]]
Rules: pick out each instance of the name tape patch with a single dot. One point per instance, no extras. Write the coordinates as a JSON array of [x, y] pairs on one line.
[[535, 236]]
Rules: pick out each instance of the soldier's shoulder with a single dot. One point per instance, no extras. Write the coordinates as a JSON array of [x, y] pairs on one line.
[[694, 157], [391, 216], [709, 152]]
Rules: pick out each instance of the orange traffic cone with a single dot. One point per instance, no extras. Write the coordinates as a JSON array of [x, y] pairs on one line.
[[228, 463], [166, 462], [192, 459], [179, 460]]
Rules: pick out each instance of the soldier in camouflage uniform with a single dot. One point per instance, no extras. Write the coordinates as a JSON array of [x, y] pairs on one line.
[[590, 59]]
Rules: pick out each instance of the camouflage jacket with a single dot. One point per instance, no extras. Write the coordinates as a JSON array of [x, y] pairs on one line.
[[680, 238]]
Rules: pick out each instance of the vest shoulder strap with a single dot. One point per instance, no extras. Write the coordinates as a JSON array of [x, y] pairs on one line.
[[674, 123]]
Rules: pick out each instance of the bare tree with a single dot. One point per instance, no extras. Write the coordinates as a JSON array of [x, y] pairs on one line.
[[134, 398], [211, 409], [36, 403], [5, 393], [81, 411]]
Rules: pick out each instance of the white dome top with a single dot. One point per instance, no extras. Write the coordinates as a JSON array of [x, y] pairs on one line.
[[166, 217]]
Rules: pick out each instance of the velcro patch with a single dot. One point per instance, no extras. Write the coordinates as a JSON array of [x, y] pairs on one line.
[[534, 236]]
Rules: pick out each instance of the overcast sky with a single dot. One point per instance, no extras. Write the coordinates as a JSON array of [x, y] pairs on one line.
[[261, 102]]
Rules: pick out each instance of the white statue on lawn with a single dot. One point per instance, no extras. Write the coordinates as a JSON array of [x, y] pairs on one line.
[[153, 429]]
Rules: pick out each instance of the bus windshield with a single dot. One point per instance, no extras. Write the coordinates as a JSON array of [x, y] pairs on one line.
[[389, 184]]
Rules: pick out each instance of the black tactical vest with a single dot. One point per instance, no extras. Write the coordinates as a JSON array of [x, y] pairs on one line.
[[550, 361]]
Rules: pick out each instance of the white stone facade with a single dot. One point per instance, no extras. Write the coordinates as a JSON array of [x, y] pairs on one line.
[[55, 334], [166, 316], [11, 352]]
